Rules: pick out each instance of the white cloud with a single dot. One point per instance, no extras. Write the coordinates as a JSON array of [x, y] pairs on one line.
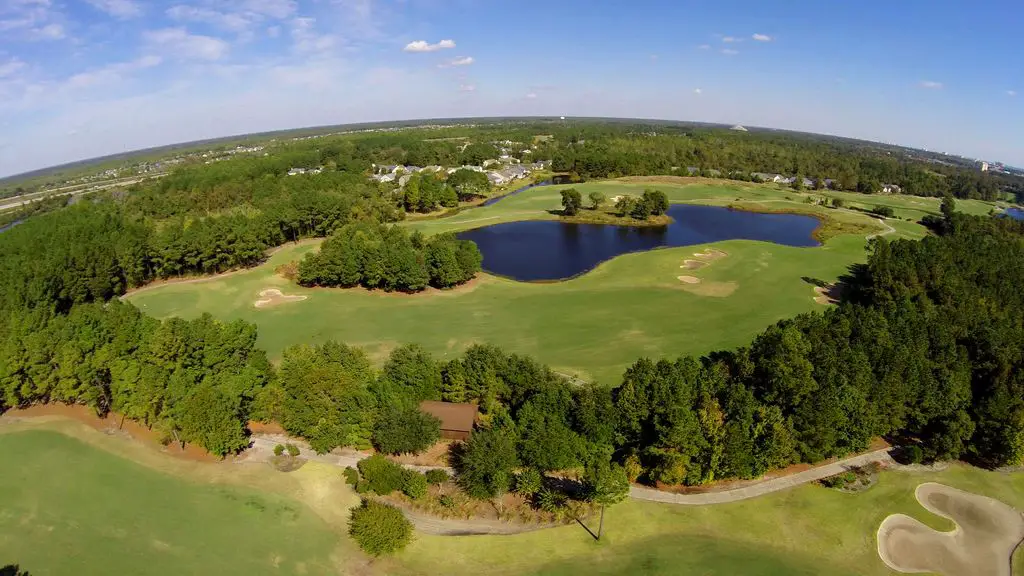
[[931, 84], [762, 37], [460, 61], [48, 32], [235, 21], [531, 96], [654, 57], [279, 9], [112, 72], [697, 91], [704, 47], [306, 39], [178, 42], [731, 39], [467, 88], [730, 51], [424, 46], [11, 67], [118, 8], [274, 31], [1011, 92]]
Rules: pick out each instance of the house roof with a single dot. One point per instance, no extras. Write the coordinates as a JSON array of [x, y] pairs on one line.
[[453, 416]]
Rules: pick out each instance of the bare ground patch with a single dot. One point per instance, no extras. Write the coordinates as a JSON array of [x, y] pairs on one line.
[[273, 297], [828, 294], [693, 264], [987, 533], [689, 279]]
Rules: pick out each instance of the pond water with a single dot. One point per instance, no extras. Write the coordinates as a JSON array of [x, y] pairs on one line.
[[6, 227], [550, 250], [1015, 213]]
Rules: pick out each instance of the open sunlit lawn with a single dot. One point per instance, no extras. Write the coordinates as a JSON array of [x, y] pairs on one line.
[[67, 507], [593, 326], [808, 530], [98, 504]]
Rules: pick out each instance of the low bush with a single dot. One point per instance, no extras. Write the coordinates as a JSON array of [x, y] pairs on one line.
[[292, 449], [436, 476], [529, 482], [382, 475], [415, 485], [446, 501], [351, 476], [913, 454], [379, 529], [278, 450]]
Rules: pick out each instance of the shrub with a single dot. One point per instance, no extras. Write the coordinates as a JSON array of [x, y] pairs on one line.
[[914, 454], [379, 529], [883, 211], [382, 475], [446, 501], [362, 487], [436, 476], [278, 450], [633, 467], [550, 500], [415, 485], [292, 449], [351, 476], [529, 482]]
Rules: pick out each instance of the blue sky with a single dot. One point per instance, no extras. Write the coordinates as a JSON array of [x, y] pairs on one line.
[[84, 78]]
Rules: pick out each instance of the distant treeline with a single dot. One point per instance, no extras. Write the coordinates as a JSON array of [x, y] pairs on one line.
[[927, 351]]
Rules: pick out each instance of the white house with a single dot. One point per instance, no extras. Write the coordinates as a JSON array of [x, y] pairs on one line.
[[891, 189]]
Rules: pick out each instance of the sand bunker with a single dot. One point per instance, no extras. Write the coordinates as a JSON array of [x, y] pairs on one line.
[[273, 297], [828, 294], [693, 264], [689, 279], [982, 544]]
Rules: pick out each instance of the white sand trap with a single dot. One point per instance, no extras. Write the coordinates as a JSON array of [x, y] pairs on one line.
[[689, 279], [827, 294], [693, 264], [710, 254], [273, 297], [982, 544]]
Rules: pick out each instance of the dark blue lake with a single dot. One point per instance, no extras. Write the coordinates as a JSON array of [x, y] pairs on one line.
[[1015, 213], [551, 250]]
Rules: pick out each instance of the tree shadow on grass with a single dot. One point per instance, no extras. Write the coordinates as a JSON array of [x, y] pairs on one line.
[[13, 570], [689, 554]]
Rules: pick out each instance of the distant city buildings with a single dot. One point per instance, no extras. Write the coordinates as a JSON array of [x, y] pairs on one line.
[[984, 166]]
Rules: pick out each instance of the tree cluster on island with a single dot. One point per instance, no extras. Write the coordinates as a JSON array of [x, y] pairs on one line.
[[652, 203], [390, 258]]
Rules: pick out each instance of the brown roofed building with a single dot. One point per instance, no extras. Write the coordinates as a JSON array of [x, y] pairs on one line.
[[456, 419]]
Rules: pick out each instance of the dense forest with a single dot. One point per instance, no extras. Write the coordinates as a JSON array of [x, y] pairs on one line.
[[388, 257]]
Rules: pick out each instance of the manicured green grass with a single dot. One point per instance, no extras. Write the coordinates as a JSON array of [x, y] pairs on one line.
[[593, 326], [807, 530], [69, 508]]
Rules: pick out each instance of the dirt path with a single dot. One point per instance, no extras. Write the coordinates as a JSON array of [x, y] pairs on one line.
[[763, 487], [888, 229]]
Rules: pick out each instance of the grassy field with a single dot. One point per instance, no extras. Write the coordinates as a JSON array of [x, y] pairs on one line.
[[592, 326], [103, 505], [70, 508]]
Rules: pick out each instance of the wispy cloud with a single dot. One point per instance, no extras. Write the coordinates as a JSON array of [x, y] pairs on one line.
[[306, 39], [460, 61], [48, 32], [467, 88], [531, 96], [118, 8], [730, 51], [177, 42], [424, 46], [930, 84], [731, 39], [235, 21], [112, 72], [11, 67], [697, 91], [1011, 92], [762, 37], [279, 9], [704, 47]]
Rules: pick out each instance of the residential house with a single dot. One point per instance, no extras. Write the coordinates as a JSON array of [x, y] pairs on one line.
[[496, 178], [891, 189], [403, 180], [489, 162], [296, 171], [766, 176], [808, 183], [457, 419]]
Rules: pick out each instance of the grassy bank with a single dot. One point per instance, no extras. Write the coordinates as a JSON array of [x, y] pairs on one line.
[[99, 504], [593, 326]]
